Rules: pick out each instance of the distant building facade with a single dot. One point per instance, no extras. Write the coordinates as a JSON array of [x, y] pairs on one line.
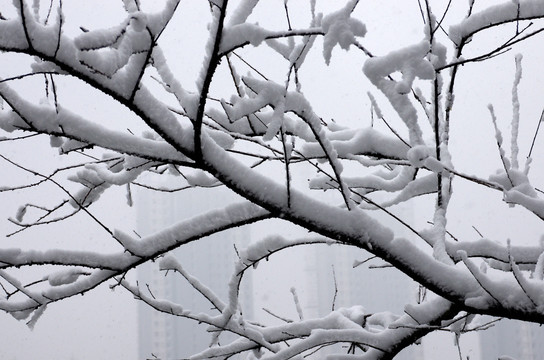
[[337, 280], [517, 339], [210, 259]]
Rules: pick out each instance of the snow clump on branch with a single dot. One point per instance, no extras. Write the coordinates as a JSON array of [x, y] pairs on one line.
[[341, 29]]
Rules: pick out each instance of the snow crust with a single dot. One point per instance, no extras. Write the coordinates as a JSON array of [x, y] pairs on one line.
[[340, 29], [242, 12], [240, 34], [66, 276], [412, 63], [360, 141], [495, 14]]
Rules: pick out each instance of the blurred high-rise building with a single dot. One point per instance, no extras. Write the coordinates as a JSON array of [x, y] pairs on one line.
[[517, 339], [210, 259], [339, 276]]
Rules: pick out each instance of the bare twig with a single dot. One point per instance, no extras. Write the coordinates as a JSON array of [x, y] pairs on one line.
[[335, 289], [536, 133], [277, 316]]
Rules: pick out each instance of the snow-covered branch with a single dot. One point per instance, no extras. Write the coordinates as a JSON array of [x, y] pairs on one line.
[[237, 124]]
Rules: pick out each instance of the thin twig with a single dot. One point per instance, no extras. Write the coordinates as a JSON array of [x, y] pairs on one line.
[[536, 133], [277, 316], [335, 288], [287, 15]]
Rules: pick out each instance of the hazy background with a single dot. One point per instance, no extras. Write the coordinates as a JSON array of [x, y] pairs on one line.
[[102, 324]]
